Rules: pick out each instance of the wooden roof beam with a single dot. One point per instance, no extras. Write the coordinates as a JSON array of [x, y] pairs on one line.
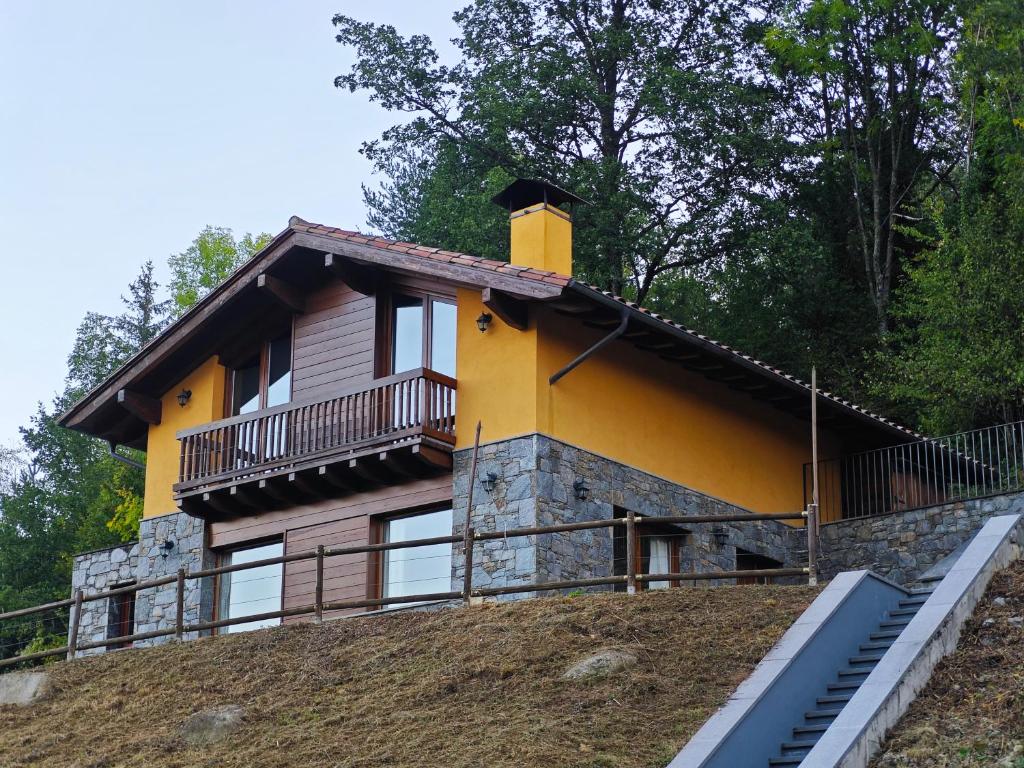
[[357, 277], [144, 407], [512, 312], [285, 294]]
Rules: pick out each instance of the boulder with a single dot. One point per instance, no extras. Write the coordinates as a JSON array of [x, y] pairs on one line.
[[22, 688], [211, 725], [600, 664]]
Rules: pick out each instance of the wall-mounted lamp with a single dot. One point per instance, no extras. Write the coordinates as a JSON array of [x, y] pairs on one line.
[[184, 396], [721, 537], [580, 489], [483, 321], [489, 480], [166, 547]]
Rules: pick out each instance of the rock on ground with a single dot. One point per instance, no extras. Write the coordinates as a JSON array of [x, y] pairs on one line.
[[605, 662], [211, 725], [22, 688]]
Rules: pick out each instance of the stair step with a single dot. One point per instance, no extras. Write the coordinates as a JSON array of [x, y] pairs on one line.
[[821, 714], [903, 612], [886, 635], [844, 673], [838, 699], [846, 685], [880, 645], [901, 622], [793, 760], [807, 729], [922, 591], [917, 600], [792, 746], [867, 658]]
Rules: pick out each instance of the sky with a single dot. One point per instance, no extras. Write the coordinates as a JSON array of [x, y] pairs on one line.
[[125, 128]]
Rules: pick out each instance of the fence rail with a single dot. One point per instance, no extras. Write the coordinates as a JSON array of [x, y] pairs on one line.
[[630, 579], [966, 465], [417, 402]]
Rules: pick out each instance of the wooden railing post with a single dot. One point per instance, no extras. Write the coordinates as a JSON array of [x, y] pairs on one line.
[[812, 544], [631, 552], [179, 608], [318, 599], [76, 621], [467, 581]]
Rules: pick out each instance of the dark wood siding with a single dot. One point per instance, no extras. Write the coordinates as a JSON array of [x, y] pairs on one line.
[[334, 341], [334, 523]]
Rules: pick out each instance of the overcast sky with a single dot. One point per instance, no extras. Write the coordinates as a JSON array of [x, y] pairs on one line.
[[125, 128]]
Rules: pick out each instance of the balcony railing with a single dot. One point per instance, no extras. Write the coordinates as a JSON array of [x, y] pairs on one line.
[[966, 465], [417, 403]]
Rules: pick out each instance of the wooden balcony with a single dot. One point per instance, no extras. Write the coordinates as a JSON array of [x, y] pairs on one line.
[[393, 429]]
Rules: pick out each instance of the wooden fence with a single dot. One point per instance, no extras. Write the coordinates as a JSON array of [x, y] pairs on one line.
[[632, 522]]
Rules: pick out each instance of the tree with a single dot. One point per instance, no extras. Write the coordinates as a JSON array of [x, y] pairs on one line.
[[959, 360], [652, 110], [870, 91], [212, 256]]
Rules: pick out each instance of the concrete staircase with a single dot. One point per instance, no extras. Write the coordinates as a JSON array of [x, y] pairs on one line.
[[847, 680]]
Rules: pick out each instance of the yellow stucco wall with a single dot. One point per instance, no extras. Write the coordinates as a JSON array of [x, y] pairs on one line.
[[541, 237], [162, 448], [629, 406]]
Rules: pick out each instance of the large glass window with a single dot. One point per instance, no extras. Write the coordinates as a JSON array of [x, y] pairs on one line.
[[253, 590], [417, 570], [265, 380], [412, 344]]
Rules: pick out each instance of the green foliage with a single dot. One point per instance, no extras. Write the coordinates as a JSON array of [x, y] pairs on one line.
[[651, 110], [959, 360], [212, 256]]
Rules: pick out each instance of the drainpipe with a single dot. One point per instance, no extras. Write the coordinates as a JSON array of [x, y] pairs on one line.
[[112, 447], [624, 313]]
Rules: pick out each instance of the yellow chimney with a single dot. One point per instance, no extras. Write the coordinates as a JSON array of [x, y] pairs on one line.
[[542, 238], [541, 232]]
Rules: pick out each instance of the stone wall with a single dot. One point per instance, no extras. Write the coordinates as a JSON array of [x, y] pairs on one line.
[[903, 545], [144, 560], [533, 486]]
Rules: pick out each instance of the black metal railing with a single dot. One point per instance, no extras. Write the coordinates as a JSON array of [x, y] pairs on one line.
[[966, 465]]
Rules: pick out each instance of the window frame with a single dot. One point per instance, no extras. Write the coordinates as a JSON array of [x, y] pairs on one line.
[[121, 602], [378, 535], [263, 363], [384, 355], [220, 558], [677, 539]]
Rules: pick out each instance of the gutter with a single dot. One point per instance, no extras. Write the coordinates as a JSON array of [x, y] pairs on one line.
[[112, 448], [624, 312]]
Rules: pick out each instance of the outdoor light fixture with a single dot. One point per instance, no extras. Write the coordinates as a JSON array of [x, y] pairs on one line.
[[483, 321], [721, 537], [166, 547], [579, 489], [183, 397], [489, 480]]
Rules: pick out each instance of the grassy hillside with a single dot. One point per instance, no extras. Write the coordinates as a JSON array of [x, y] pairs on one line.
[[456, 688], [972, 711]]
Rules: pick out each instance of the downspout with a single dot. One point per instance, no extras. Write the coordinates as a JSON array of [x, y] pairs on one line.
[[112, 446], [624, 312]]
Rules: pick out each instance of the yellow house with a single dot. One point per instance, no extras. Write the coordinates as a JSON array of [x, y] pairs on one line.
[[328, 391]]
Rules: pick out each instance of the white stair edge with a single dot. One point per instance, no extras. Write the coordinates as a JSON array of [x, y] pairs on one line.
[[905, 669]]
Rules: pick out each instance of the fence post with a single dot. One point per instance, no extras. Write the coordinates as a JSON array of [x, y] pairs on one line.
[[467, 581], [75, 623], [812, 544], [631, 552], [179, 608], [318, 605]]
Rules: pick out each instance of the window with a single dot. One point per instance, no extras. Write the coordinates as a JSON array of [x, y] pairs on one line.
[[422, 334], [120, 616], [417, 570], [658, 550], [748, 561], [265, 379], [253, 590]]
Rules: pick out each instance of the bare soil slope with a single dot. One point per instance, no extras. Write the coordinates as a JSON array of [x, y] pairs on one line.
[[472, 687], [972, 711]]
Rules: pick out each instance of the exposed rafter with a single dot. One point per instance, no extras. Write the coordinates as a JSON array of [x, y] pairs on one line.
[[512, 312], [357, 277], [144, 407], [286, 295]]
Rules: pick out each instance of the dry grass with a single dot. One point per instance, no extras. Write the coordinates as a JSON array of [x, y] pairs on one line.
[[972, 712], [455, 688]]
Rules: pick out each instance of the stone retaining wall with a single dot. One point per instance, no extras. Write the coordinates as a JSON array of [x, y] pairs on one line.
[[902, 546], [534, 477]]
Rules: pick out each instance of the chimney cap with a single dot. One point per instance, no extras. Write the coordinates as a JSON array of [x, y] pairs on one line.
[[522, 193]]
